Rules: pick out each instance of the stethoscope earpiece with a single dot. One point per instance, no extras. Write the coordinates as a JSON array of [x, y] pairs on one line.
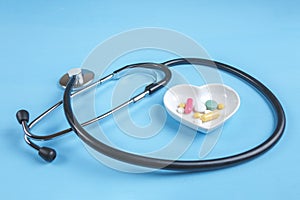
[[22, 115], [48, 154]]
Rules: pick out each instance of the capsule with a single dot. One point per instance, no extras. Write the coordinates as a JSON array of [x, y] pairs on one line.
[[210, 116], [188, 106], [197, 115]]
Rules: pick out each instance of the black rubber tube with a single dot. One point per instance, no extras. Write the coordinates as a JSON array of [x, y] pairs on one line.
[[186, 165]]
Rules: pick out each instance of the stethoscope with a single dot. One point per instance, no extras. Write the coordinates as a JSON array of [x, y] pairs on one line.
[[82, 79]]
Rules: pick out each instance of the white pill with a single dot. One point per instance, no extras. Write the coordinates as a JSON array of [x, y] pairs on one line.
[[199, 107], [180, 110]]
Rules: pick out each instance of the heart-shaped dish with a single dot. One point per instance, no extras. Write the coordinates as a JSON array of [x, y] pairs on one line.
[[217, 92]]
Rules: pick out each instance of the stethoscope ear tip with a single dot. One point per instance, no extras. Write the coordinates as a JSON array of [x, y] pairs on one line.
[[22, 115], [47, 154]]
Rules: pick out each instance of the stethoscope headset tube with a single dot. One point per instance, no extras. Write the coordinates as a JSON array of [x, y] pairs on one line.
[[185, 165], [49, 154]]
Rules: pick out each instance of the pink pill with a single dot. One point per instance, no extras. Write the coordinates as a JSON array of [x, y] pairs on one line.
[[188, 106]]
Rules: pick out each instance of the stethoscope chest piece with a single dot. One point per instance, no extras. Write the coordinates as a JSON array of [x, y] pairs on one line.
[[83, 77]]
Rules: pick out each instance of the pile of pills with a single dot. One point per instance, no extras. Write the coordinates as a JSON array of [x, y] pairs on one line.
[[205, 112]]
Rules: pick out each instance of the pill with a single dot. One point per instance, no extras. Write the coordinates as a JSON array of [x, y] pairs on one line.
[[220, 106], [180, 110], [210, 116], [199, 107], [181, 105], [211, 105], [188, 106], [197, 115]]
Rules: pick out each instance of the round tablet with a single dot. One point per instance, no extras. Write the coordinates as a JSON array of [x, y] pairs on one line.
[[211, 105], [220, 106], [180, 110]]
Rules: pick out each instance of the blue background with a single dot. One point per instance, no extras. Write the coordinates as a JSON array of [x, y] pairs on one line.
[[39, 41]]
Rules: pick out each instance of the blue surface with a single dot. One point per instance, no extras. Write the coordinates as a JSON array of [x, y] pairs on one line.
[[40, 41]]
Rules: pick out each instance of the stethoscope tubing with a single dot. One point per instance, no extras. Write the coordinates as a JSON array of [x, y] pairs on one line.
[[49, 154], [185, 165]]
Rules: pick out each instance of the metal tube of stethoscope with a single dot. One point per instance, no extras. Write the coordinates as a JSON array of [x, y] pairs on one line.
[[47, 153], [115, 75], [96, 83]]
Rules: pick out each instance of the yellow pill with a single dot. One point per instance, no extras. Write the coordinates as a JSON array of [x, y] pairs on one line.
[[210, 116], [197, 115], [220, 106], [181, 105]]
